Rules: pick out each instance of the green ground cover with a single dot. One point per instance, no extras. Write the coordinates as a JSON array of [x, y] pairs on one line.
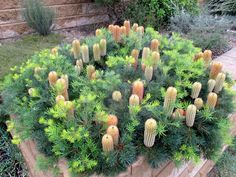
[[14, 53]]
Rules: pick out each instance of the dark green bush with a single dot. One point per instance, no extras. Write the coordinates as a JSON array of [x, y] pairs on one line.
[[223, 7], [38, 17], [11, 161], [156, 13]]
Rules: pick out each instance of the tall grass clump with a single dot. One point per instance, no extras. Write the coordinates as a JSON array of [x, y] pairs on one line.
[[38, 17]]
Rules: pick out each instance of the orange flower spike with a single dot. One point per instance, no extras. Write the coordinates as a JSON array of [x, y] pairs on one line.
[[112, 120], [110, 28], [114, 132], [216, 68], [52, 78], [207, 56], [138, 89], [98, 32], [155, 45], [127, 27], [123, 30], [135, 54]]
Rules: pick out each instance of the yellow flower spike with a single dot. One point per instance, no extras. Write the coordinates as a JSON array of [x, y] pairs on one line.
[[150, 132]]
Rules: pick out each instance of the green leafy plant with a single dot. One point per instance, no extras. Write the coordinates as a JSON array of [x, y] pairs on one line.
[[157, 13], [73, 129], [38, 17]]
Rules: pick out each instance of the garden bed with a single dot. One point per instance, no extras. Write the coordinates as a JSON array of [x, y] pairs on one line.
[[124, 95]]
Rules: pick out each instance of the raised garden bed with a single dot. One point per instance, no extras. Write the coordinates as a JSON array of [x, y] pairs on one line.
[[110, 105]]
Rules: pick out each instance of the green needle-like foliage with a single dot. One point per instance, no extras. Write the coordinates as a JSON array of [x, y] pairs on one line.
[[78, 138]]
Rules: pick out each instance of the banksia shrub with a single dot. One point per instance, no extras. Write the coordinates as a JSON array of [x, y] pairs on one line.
[[211, 84], [220, 79], [216, 68], [97, 119], [114, 132], [116, 96], [138, 89], [170, 98], [211, 100], [150, 132], [85, 53], [196, 88], [96, 52], [148, 73], [190, 115], [107, 143], [198, 102], [76, 48], [52, 78], [103, 47]]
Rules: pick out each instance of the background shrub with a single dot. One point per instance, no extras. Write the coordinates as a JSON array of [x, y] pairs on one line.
[[38, 17], [181, 22], [223, 6], [114, 7], [206, 31], [156, 13]]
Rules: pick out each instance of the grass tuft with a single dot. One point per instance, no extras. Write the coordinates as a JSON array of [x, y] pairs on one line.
[[14, 53]]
